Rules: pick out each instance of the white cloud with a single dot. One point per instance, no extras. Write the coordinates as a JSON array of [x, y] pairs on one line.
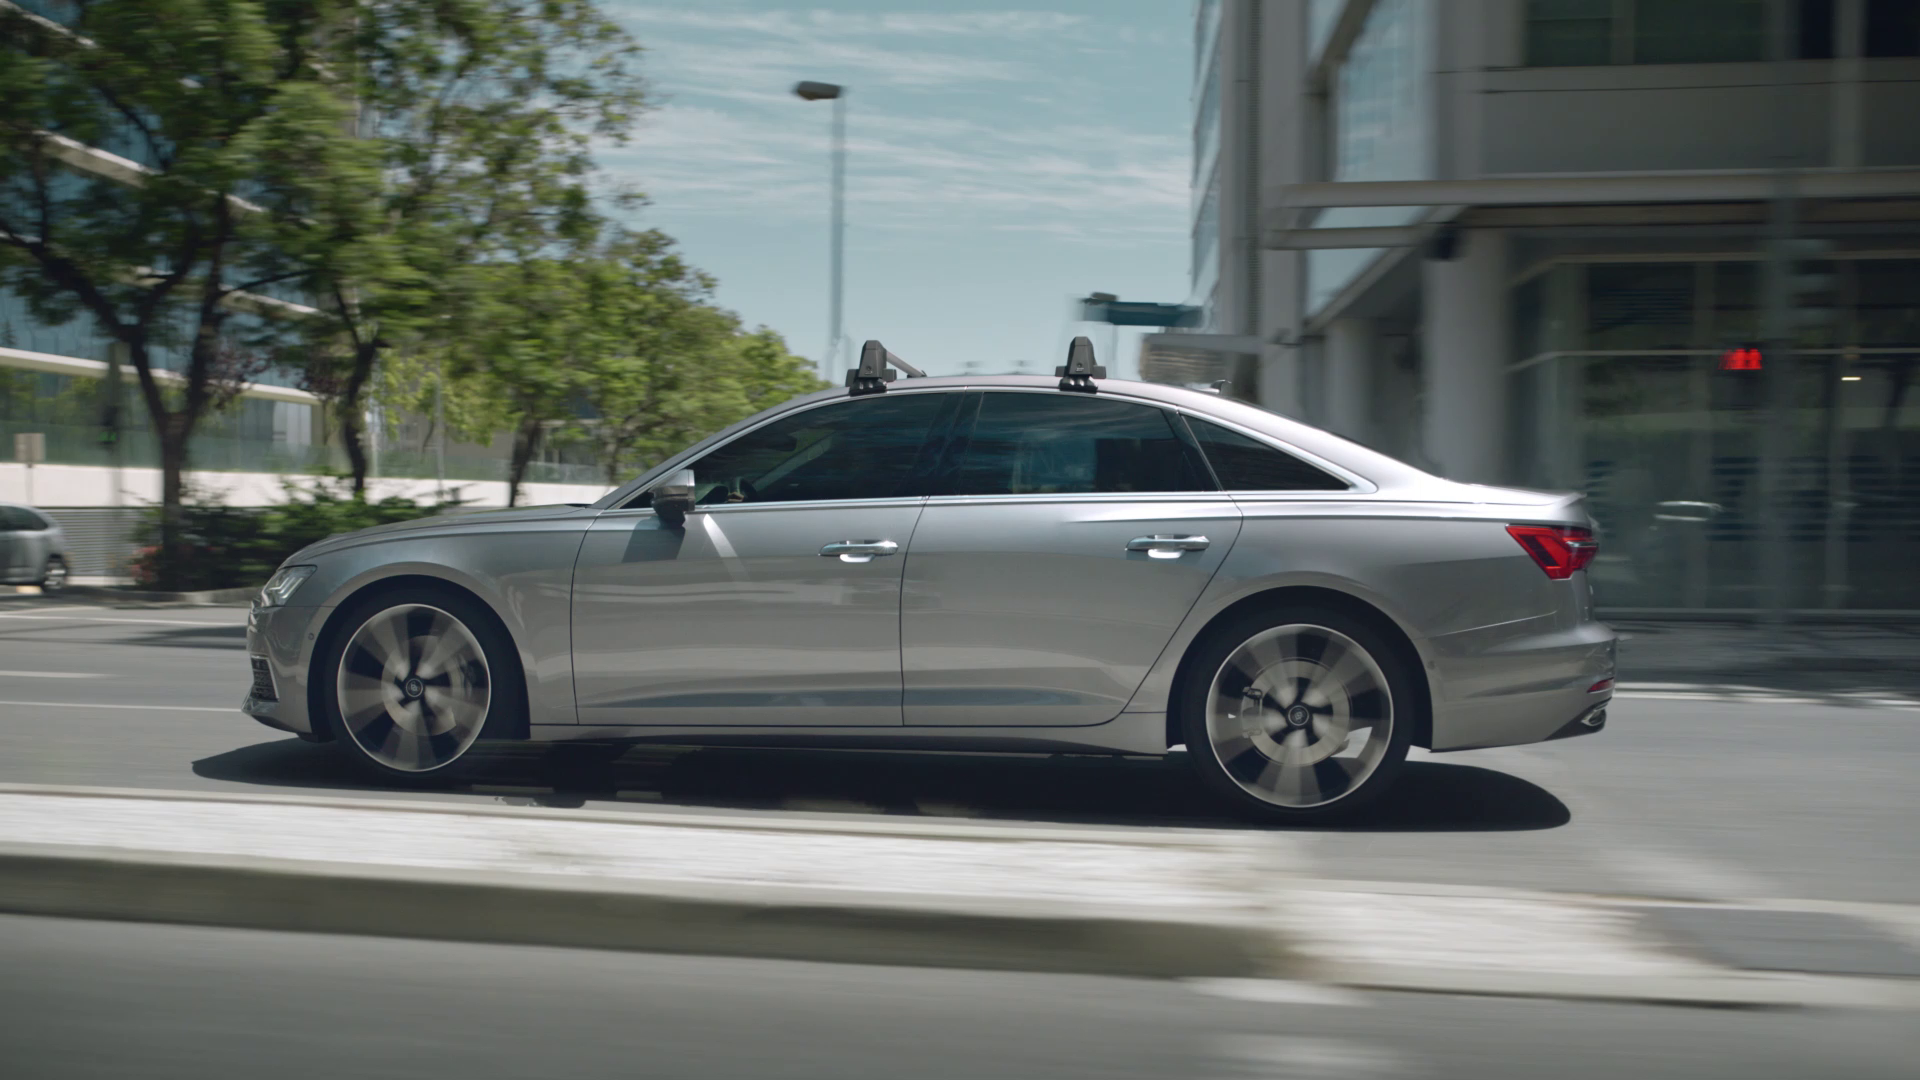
[[729, 139]]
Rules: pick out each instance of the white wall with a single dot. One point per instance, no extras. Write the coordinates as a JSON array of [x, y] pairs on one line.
[[91, 485]]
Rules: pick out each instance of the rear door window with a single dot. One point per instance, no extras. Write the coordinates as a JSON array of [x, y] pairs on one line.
[[1069, 444]]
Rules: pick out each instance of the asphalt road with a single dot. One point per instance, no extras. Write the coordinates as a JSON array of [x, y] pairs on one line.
[[1805, 795], [1685, 798], [126, 1000]]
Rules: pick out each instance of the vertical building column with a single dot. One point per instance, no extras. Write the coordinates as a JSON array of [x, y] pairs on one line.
[[1466, 343], [1349, 363]]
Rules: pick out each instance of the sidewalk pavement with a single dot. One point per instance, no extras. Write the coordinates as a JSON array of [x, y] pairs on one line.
[[1220, 905], [1805, 656]]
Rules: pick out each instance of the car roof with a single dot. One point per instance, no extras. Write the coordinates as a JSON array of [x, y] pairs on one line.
[[1382, 470]]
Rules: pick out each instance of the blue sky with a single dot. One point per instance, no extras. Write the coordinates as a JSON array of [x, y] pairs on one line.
[[1000, 162]]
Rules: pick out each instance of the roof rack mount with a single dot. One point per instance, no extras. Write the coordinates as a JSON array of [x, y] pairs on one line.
[[1079, 371], [877, 369]]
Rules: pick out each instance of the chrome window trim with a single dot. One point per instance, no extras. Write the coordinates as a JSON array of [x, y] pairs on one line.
[[1085, 496]]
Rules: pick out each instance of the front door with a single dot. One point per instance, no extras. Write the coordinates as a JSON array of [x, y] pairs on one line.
[[778, 602], [1078, 533]]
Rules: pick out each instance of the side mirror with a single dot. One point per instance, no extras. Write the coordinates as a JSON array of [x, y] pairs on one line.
[[673, 500]]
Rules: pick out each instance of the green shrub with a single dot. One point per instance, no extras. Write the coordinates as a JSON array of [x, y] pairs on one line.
[[224, 547]]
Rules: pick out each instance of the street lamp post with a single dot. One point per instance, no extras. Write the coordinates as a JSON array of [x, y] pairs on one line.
[[819, 91]]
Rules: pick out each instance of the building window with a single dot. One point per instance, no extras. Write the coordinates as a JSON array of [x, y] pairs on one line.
[[1569, 33], [1893, 28], [1321, 17], [1573, 33], [1206, 31], [1379, 108], [1206, 121], [1206, 228]]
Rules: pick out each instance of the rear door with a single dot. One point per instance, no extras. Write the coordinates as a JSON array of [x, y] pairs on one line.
[[1071, 539]]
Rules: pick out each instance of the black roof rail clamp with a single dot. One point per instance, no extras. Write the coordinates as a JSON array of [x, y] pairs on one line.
[[876, 370], [1080, 370]]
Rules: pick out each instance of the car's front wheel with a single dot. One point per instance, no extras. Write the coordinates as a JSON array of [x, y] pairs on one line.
[[413, 679], [1300, 715], [53, 576]]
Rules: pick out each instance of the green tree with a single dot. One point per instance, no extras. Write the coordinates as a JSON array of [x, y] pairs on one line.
[[670, 368], [530, 338], [482, 114], [238, 158]]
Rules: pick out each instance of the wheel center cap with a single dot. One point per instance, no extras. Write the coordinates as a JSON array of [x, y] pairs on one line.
[[413, 687], [1299, 715]]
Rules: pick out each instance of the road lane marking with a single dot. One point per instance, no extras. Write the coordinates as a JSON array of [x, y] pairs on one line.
[[1299, 1057], [134, 622], [103, 705], [51, 675], [1279, 992]]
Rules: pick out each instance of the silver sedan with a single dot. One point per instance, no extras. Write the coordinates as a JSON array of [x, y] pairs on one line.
[[974, 564]]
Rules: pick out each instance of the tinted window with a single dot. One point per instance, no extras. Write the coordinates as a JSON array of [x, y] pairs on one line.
[[866, 448], [1046, 444], [15, 519], [1245, 464]]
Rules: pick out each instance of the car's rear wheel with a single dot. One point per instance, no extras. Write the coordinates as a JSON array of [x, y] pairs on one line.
[[53, 577], [414, 679], [1302, 715]]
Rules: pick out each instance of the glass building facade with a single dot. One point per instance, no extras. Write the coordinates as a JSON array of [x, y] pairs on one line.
[[1643, 384]]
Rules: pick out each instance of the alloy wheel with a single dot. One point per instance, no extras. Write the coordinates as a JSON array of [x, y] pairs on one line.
[[414, 688], [1300, 716]]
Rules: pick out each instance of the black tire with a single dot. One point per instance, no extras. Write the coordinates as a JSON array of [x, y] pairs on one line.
[[53, 576], [388, 735], [1224, 736]]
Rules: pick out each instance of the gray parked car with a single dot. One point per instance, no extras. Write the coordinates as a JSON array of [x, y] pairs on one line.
[[1005, 563], [33, 550]]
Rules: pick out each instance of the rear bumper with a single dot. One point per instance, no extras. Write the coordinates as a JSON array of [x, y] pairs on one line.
[[1514, 684], [278, 653]]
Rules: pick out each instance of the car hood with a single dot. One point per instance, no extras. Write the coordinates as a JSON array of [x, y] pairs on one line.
[[445, 520]]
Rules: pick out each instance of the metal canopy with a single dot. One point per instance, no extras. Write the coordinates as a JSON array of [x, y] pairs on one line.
[[1743, 186]]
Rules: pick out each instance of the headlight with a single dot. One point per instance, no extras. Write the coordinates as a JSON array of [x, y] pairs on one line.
[[279, 588]]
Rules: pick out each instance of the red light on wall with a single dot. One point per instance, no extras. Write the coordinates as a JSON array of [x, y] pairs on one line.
[[1740, 360]]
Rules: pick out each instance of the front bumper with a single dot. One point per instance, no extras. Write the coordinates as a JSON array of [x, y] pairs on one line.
[[279, 652], [1508, 685]]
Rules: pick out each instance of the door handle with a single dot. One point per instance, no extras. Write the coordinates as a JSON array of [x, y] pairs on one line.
[[1167, 547], [858, 551]]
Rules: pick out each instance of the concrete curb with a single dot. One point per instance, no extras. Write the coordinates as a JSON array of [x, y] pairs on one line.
[[149, 596], [1730, 989], [791, 924], [1515, 943], [801, 922]]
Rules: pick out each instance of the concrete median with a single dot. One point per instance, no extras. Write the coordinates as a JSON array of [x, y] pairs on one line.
[[1198, 903], [924, 894]]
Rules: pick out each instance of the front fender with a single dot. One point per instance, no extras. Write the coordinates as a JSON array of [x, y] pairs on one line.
[[522, 570]]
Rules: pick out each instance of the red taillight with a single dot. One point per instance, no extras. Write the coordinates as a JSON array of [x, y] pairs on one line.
[[1559, 549]]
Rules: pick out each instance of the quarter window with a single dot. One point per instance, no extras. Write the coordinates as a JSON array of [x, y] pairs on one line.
[[1064, 444], [1245, 464], [866, 448]]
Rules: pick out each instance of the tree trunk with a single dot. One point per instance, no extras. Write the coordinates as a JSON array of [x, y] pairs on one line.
[[526, 442], [356, 449], [171, 432], [351, 430]]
